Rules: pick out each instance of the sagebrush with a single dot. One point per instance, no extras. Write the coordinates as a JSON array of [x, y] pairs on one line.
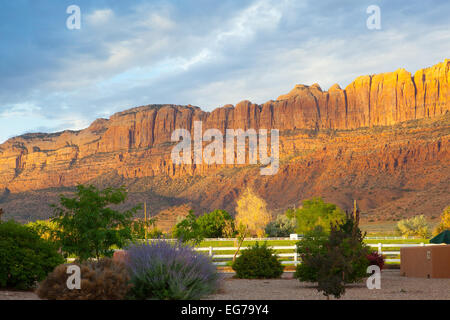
[[104, 279], [170, 271]]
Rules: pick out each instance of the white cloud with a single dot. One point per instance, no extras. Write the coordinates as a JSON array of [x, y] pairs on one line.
[[261, 15], [100, 17]]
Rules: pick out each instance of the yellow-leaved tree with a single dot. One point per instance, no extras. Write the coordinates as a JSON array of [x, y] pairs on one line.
[[251, 213], [445, 222]]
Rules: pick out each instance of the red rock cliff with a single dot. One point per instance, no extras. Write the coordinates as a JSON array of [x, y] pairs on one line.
[[134, 142]]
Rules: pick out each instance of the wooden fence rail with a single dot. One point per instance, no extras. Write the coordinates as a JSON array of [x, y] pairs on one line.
[[294, 254]]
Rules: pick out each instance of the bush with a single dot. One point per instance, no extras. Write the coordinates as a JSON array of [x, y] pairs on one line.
[[283, 226], [415, 226], [104, 279], [25, 258], [257, 262], [376, 259], [334, 261], [164, 271]]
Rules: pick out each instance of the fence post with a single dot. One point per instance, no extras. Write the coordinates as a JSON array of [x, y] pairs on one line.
[[422, 244], [380, 246], [210, 251], [295, 255]]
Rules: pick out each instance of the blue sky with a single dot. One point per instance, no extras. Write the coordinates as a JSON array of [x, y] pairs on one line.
[[199, 52]]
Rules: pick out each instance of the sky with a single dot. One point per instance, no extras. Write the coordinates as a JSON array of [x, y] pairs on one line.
[[200, 52]]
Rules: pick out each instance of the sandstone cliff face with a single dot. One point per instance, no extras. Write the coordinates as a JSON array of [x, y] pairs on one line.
[[136, 143]]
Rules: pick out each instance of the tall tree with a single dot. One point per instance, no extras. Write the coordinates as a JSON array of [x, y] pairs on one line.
[[87, 225], [252, 213]]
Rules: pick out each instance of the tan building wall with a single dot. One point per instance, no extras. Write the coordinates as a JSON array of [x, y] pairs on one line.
[[425, 262]]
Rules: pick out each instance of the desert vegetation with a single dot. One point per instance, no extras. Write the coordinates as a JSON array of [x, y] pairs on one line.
[[415, 226], [257, 262], [88, 228]]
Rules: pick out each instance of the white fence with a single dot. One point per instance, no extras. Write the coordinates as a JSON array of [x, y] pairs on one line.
[[299, 237], [294, 257]]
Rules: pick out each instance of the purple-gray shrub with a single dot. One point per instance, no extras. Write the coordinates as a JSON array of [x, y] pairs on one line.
[[170, 271]]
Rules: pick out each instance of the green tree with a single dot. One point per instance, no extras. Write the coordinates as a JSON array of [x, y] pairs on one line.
[[188, 230], [88, 227], [335, 260], [25, 257], [213, 224], [315, 212], [282, 226], [415, 226]]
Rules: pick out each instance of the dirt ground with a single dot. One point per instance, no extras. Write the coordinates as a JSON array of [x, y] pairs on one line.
[[18, 295], [393, 286]]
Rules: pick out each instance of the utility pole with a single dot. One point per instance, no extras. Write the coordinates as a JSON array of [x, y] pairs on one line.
[[145, 220]]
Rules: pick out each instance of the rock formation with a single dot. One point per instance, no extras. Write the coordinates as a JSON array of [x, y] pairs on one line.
[[136, 143]]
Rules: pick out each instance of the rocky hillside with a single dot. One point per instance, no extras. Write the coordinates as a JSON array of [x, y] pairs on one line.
[[384, 139]]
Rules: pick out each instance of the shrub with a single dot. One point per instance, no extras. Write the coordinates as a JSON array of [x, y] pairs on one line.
[[164, 271], [104, 279], [25, 258], [283, 226], [334, 261], [376, 259], [415, 226], [257, 262]]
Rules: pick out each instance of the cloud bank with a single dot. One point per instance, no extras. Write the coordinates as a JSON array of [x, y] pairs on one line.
[[204, 53]]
